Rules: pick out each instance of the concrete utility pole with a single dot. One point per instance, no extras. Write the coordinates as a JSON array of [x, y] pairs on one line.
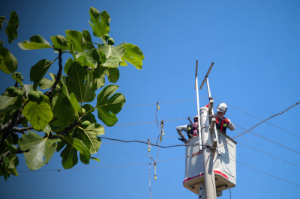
[[209, 175], [207, 141]]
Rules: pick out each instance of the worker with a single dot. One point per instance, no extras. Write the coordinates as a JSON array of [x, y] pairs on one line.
[[191, 130], [222, 123]]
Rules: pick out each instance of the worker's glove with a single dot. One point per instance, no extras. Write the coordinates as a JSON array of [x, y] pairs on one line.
[[227, 121], [182, 139]]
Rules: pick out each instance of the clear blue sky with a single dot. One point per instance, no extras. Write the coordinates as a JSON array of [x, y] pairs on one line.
[[255, 47]]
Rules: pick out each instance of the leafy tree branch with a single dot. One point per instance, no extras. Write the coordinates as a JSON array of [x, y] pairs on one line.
[[60, 107]]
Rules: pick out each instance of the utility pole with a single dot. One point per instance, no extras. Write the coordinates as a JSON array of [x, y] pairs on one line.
[[209, 175]]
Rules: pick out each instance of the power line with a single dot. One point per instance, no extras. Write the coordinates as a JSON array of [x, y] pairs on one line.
[[269, 140], [161, 161], [269, 154], [236, 141], [268, 119], [163, 102], [120, 165], [140, 141], [262, 171], [150, 122], [261, 119]]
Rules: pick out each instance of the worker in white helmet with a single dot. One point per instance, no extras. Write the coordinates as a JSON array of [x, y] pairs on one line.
[[190, 129], [223, 123]]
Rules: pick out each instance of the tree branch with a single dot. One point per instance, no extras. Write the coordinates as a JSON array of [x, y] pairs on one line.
[[21, 130], [58, 76], [7, 128], [7, 153]]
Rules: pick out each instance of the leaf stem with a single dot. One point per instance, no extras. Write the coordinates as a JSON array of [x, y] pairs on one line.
[[91, 110]]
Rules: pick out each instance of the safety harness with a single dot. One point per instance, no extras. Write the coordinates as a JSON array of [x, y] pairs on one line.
[[193, 129], [222, 124]]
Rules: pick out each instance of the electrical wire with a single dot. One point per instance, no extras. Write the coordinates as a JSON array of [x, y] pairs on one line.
[[162, 161], [269, 140], [164, 102], [269, 154], [122, 165], [235, 140], [261, 119], [268, 119], [150, 122], [139, 141], [262, 171]]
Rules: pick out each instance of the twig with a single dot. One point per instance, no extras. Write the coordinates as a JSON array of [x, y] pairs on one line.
[[7, 153], [58, 74], [21, 130]]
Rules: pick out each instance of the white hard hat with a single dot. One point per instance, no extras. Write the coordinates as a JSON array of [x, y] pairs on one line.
[[222, 108]]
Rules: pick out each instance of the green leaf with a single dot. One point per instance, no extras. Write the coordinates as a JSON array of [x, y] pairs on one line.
[[73, 101], [90, 137], [9, 103], [108, 108], [13, 161], [113, 74], [112, 62], [38, 71], [111, 51], [97, 159], [80, 146], [92, 58], [99, 75], [13, 25], [39, 115], [67, 65], [63, 112], [133, 55], [82, 88], [76, 37], [62, 40], [36, 42], [83, 62], [100, 22], [47, 83], [39, 148], [8, 63], [56, 44], [4, 170], [13, 172], [88, 38], [69, 157]]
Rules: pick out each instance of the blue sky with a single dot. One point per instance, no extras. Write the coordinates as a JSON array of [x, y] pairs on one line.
[[255, 48]]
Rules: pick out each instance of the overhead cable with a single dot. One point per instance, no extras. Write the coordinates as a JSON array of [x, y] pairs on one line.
[[262, 119], [150, 122], [160, 161], [121, 165], [268, 139], [164, 102], [269, 154], [262, 171]]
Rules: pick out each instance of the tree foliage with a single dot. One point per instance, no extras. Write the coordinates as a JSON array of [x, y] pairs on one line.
[[61, 112]]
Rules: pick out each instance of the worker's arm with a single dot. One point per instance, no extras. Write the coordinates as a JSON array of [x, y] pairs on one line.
[[180, 129], [230, 125]]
